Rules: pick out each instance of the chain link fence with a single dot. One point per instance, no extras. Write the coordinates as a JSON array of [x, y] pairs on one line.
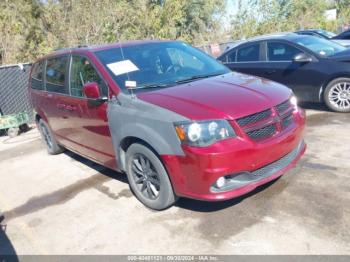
[[14, 96]]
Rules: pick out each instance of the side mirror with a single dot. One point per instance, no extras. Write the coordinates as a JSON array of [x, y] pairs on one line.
[[302, 58], [92, 92]]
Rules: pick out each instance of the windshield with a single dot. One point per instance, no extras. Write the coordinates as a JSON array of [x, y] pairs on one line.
[[328, 34], [322, 47], [158, 64]]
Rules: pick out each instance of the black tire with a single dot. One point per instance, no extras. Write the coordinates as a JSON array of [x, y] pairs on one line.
[[332, 100], [53, 148], [24, 128], [148, 179]]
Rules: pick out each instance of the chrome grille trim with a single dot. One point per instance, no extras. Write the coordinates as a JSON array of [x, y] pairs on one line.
[[287, 121]]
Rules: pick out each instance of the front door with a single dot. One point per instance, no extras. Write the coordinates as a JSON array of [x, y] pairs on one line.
[[90, 135], [304, 78]]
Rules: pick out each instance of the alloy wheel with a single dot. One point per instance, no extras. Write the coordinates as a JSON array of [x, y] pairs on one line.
[[339, 95], [145, 176]]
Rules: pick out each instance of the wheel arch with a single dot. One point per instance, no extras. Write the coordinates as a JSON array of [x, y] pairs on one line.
[[326, 83], [126, 142]]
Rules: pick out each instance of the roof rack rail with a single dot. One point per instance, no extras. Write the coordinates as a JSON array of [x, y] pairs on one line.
[[69, 48]]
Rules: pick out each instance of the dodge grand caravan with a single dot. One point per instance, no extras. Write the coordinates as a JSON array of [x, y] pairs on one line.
[[176, 121]]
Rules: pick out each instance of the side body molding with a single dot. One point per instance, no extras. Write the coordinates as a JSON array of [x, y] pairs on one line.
[[131, 117]]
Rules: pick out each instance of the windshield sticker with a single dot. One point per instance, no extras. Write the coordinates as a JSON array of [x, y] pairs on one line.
[[130, 84], [122, 67]]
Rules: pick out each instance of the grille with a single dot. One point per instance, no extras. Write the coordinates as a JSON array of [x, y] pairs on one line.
[[254, 118], [261, 133], [283, 106], [279, 164], [287, 121]]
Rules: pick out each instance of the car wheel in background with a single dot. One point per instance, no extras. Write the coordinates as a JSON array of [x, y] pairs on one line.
[[148, 178], [53, 148], [337, 95]]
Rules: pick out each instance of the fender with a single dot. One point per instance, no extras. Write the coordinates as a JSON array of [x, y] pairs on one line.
[[129, 116]]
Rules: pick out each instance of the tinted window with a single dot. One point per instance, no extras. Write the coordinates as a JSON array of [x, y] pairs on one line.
[[247, 54], [83, 72], [37, 78], [281, 52], [56, 74], [231, 57], [155, 64]]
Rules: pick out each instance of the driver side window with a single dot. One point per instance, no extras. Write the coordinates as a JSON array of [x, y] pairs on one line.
[[83, 72]]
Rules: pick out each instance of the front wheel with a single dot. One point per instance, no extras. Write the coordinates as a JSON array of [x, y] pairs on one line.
[[148, 178], [337, 95]]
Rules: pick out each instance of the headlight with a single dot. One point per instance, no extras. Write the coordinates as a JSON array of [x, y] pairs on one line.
[[294, 101], [203, 133]]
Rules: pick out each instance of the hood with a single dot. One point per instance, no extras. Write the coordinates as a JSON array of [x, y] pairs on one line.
[[228, 96], [343, 56]]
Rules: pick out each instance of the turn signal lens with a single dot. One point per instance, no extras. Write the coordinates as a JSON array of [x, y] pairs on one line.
[[180, 133]]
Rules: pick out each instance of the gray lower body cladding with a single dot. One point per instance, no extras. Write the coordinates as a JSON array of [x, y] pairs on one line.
[[130, 117]]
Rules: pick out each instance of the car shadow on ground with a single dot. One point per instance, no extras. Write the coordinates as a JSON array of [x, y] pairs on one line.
[[186, 203], [99, 168]]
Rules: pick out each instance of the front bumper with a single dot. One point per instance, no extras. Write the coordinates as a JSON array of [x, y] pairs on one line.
[[246, 163]]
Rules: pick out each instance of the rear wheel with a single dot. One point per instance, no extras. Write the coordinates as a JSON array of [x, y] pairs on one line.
[[148, 178], [337, 95], [53, 148]]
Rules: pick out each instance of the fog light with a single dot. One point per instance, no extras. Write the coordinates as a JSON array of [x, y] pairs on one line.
[[220, 182]]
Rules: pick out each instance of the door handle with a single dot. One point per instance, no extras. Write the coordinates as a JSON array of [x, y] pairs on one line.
[[61, 106], [270, 72], [70, 108]]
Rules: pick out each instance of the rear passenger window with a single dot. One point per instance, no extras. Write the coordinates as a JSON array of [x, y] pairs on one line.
[[249, 53], [56, 69], [83, 72], [37, 78]]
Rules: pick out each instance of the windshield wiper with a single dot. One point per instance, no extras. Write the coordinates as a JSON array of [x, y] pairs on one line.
[[152, 86], [196, 77]]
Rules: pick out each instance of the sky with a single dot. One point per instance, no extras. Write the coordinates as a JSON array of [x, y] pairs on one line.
[[231, 7]]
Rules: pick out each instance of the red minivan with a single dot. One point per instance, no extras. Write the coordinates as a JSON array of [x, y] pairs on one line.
[[175, 120]]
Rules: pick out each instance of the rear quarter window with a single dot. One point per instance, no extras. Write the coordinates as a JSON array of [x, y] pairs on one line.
[[56, 75], [37, 77]]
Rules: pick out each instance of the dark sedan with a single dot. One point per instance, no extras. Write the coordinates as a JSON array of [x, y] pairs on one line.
[[317, 70]]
